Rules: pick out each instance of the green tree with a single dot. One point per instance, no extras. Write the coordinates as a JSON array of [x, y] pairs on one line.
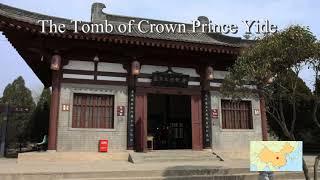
[[17, 94], [40, 119], [303, 129], [314, 62], [268, 66]]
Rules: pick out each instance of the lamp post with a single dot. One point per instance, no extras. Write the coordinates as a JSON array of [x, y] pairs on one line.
[[8, 110], [4, 130]]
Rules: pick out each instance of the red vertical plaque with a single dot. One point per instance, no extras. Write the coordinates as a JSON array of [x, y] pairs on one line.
[[120, 110], [214, 113]]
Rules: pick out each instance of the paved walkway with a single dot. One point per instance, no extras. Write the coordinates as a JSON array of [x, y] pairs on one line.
[[8, 166]]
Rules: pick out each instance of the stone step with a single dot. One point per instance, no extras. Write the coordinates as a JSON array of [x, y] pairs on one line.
[[242, 176], [41, 157], [200, 173], [164, 160], [175, 151], [172, 172], [176, 155], [221, 177], [179, 157], [184, 173], [172, 156], [181, 173]]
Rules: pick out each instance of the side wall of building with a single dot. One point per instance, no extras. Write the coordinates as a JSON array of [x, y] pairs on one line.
[[234, 139], [87, 139]]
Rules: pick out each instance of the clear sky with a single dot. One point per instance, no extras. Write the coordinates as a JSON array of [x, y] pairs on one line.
[[279, 12]]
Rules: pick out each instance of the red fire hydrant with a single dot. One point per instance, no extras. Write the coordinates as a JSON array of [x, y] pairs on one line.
[[103, 145]]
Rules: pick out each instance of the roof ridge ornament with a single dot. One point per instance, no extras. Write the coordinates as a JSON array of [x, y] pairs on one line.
[[204, 20], [96, 12]]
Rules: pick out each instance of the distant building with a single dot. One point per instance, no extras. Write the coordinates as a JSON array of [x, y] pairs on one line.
[[131, 87]]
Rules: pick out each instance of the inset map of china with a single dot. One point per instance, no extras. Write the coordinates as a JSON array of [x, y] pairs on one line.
[[276, 156]]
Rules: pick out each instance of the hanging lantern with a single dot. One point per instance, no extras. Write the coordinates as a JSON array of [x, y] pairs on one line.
[[209, 73], [55, 62], [135, 68]]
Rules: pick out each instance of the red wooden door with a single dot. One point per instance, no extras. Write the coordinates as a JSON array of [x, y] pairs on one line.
[[141, 123], [196, 122]]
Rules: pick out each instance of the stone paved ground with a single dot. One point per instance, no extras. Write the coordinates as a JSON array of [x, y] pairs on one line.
[[10, 166]]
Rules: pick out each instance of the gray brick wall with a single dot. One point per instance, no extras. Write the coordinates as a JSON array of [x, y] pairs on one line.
[[234, 139], [84, 140]]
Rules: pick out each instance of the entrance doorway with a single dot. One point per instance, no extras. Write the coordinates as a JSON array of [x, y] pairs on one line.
[[169, 121]]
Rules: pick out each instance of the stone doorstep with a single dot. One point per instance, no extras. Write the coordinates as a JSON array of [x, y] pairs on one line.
[[44, 157], [172, 156]]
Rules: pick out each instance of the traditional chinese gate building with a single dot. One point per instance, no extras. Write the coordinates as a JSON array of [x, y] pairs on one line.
[[132, 87]]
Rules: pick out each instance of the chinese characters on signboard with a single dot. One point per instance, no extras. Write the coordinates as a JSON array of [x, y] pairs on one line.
[[214, 115], [65, 107], [170, 78], [120, 110]]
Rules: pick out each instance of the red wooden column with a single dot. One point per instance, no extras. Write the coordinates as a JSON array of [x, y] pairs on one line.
[[54, 107], [196, 121], [141, 123], [206, 75], [131, 109]]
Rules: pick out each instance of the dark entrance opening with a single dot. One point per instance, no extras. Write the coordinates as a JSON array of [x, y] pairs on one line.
[[169, 121]]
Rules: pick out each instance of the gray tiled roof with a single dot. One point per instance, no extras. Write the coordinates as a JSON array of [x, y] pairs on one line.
[[202, 38]]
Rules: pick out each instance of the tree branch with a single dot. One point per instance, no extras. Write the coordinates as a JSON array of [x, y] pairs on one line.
[[314, 112]]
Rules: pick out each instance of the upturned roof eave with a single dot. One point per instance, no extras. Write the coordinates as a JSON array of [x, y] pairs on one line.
[[32, 18]]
